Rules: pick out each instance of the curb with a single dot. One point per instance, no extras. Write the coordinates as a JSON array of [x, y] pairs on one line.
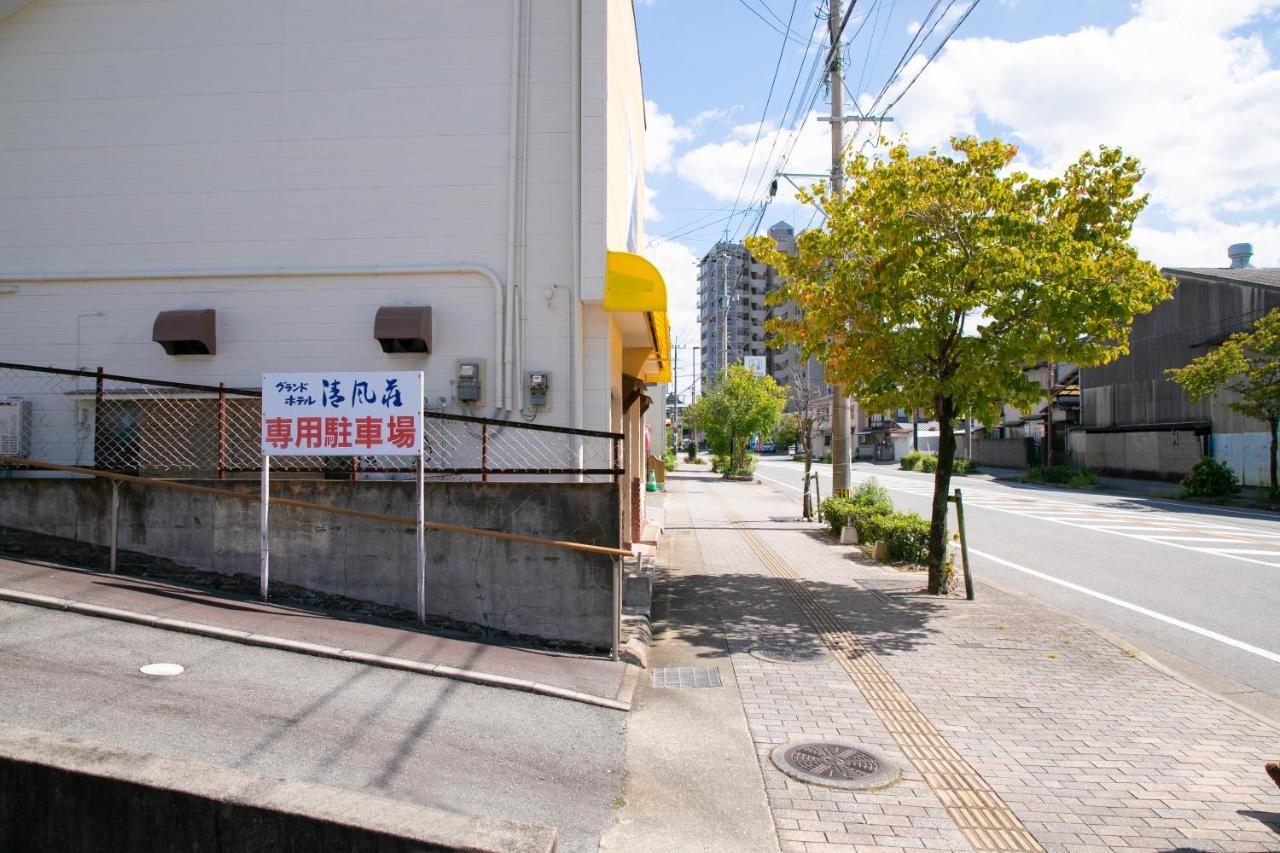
[[316, 650]]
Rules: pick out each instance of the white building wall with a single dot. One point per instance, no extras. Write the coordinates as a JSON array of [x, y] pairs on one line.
[[258, 134]]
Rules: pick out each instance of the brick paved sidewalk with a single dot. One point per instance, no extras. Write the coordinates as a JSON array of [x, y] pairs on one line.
[[1025, 729]]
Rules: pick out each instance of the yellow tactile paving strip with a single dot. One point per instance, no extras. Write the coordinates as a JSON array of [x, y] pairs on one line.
[[979, 813]]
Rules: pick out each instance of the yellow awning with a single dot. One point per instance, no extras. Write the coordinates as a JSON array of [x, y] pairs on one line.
[[632, 284]]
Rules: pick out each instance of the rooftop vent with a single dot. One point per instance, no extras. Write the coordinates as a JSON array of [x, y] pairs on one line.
[[1240, 253]]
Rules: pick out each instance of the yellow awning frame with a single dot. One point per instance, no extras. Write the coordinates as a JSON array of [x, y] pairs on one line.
[[633, 284]]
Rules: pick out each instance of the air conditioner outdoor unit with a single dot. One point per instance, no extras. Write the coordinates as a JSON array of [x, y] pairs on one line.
[[15, 426]]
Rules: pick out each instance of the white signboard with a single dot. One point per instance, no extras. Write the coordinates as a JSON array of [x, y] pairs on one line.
[[342, 414], [754, 363]]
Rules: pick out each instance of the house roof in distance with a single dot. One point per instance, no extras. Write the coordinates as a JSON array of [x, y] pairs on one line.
[[1267, 276]]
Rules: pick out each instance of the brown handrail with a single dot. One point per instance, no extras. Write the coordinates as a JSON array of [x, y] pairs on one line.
[[253, 497]]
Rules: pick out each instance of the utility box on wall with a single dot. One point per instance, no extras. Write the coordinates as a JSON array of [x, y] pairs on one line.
[[15, 426]]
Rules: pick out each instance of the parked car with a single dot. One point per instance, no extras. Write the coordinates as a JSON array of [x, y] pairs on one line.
[[768, 447]]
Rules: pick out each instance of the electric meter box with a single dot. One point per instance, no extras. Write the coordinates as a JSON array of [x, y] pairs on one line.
[[469, 381], [539, 385]]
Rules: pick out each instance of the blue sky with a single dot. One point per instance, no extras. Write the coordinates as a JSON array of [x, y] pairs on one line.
[[1191, 87]]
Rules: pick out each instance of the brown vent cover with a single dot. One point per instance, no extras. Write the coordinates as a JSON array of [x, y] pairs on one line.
[[403, 328], [186, 332]]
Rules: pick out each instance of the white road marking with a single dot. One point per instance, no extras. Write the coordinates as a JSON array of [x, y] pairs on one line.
[[1136, 608]]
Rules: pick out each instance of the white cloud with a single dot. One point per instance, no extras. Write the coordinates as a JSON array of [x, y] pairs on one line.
[[1177, 85], [651, 212], [1205, 244], [661, 137], [678, 265], [718, 167]]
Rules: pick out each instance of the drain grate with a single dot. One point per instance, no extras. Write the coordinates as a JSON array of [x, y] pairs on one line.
[[685, 676], [791, 653], [836, 763]]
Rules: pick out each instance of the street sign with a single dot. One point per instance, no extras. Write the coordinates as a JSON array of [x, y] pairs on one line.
[[342, 414]]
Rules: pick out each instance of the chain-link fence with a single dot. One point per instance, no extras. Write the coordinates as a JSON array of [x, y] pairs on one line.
[[178, 430]]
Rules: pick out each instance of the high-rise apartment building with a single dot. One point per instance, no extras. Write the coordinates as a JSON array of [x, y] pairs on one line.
[[732, 286]]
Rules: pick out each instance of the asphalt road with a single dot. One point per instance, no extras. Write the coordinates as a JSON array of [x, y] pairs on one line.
[[403, 736], [1196, 587]]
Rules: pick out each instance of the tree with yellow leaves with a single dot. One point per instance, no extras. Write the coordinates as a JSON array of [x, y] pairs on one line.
[[936, 279]]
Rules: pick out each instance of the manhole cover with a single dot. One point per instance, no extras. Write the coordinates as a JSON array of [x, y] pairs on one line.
[[686, 676], [162, 669], [791, 653], [836, 763]]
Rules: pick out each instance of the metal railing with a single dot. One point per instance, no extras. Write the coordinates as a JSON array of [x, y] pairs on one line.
[[162, 428]]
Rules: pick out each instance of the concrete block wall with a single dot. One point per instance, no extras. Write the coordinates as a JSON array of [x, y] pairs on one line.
[[521, 589], [1161, 455], [1001, 452]]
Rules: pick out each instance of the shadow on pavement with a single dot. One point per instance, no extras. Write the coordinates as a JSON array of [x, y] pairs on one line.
[[701, 608], [1271, 820]]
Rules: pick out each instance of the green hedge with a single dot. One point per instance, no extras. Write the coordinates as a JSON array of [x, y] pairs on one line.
[[928, 463], [1071, 476], [906, 533]]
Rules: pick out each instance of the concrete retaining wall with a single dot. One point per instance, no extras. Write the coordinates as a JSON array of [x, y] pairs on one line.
[[1158, 455], [1001, 452], [62, 794], [522, 589]]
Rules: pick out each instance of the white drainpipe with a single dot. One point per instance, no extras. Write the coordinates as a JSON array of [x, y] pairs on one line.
[[575, 290]]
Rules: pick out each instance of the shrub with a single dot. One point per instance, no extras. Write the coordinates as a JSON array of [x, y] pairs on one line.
[[835, 512], [1071, 476], [909, 461], [928, 463], [906, 533], [669, 459], [871, 493], [964, 466], [691, 452], [826, 457], [1209, 478], [722, 463]]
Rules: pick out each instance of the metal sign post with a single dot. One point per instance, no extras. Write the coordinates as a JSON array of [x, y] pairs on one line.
[[365, 414], [421, 539], [264, 547]]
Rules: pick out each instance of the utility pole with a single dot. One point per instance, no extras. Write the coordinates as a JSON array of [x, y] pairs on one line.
[[840, 472], [675, 387], [724, 310]]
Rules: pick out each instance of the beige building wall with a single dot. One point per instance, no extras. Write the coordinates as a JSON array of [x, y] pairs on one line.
[[324, 159]]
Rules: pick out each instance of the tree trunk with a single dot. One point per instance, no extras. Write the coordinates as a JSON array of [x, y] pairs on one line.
[[941, 485], [1274, 424]]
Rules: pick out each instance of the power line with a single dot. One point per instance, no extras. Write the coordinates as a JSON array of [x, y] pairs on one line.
[[786, 34], [764, 114]]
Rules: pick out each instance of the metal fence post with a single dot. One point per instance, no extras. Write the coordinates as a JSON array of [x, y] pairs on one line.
[[484, 453], [964, 547], [222, 430], [97, 413], [115, 523]]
